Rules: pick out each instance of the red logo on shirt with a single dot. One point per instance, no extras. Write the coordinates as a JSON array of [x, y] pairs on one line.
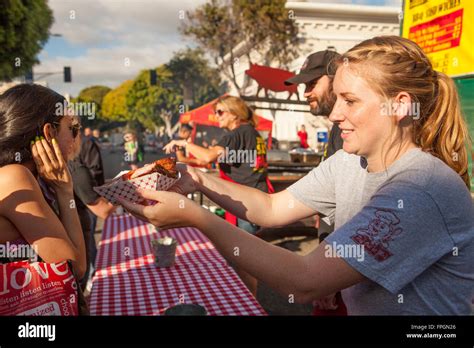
[[376, 237]]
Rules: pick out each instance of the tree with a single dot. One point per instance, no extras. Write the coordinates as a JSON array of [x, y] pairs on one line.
[[269, 29], [94, 94], [138, 102], [264, 26], [24, 29], [191, 70], [87, 97], [114, 104], [153, 106]]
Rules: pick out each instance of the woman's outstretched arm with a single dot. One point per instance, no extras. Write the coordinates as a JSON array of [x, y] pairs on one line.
[[305, 278], [261, 208], [207, 155]]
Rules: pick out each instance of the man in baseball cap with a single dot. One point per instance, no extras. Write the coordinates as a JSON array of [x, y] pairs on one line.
[[317, 74]]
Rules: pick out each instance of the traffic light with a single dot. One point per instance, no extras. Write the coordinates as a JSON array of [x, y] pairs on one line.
[[67, 74], [153, 78]]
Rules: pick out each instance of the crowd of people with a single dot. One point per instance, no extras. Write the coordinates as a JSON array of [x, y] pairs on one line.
[[398, 187]]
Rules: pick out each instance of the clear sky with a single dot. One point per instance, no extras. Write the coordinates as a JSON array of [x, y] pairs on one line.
[[108, 41]]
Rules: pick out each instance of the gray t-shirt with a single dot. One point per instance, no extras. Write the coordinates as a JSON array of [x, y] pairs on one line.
[[413, 225]]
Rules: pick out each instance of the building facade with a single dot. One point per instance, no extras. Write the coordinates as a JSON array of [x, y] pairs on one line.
[[321, 26]]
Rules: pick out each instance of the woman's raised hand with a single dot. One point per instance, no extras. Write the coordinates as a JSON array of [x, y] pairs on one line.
[[51, 165]]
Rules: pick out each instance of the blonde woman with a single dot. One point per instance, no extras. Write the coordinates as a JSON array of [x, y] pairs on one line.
[[399, 192], [241, 153]]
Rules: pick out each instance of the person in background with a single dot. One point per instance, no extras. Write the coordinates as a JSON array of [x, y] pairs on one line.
[[250, 169], [89, 204], [317, 73], [162, 137], [205, 144], [88, 132], [96, 135], [133, 151], [303, 137], [184, 134], [90, 157]]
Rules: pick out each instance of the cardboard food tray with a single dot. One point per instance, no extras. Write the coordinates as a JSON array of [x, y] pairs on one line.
[[126, 189]]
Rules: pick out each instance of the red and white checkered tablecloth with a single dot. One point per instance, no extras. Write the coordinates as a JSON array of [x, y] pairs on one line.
[[127, 282]]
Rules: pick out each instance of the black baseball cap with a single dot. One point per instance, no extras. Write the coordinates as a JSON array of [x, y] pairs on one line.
[[316, 65]]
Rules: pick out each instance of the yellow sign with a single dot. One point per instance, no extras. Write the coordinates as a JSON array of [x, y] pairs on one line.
[[444, 29]]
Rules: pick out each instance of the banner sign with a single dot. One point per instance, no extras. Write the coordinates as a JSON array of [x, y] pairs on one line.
[[444, 29]]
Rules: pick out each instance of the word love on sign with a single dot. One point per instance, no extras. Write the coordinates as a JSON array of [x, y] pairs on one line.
[[37, 289]]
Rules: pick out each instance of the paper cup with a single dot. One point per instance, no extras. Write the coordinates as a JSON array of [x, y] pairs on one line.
[[164, 251]]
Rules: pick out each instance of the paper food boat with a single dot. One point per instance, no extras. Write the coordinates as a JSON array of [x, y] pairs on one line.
[[126, 189]]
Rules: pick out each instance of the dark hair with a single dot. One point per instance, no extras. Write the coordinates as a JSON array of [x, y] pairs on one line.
[[24, 110], [186, 127]]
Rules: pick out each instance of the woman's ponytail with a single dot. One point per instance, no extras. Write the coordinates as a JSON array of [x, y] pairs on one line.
[[444, 132]]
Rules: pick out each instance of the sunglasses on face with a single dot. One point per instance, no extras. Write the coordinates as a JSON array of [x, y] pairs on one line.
[[220, 112], [75, 129]]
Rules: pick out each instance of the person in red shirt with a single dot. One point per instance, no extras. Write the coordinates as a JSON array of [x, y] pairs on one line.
[[303, 137]]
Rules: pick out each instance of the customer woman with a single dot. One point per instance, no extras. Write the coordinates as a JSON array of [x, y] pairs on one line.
[[399, 191], [36, 190]]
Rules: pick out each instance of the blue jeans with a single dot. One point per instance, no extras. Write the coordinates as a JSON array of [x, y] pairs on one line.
[[247, 226]]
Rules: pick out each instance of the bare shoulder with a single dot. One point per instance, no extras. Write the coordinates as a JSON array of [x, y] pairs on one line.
[[14, 177]]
